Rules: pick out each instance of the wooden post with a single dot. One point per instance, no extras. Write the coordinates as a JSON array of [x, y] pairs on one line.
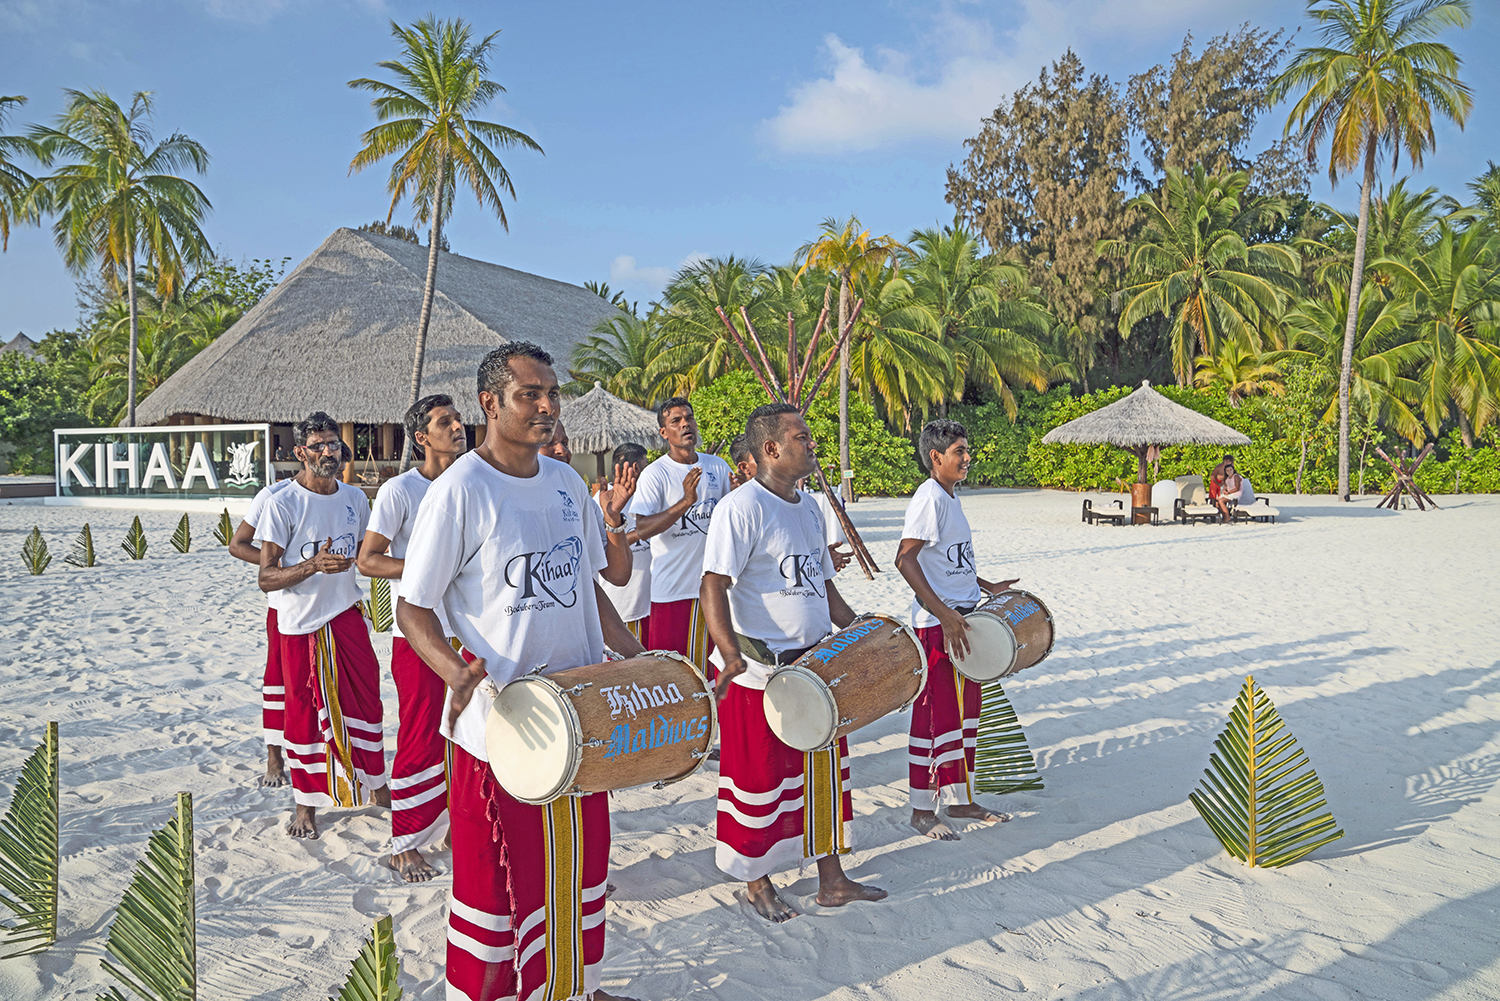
[[346, 432], [388, 442]]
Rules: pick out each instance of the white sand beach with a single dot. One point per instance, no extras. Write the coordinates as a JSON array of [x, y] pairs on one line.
[[1374, 632]]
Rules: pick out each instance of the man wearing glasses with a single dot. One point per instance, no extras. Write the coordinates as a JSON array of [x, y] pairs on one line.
[[309, 536]]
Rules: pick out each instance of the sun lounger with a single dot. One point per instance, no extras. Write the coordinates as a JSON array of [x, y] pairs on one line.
[[1164, 496], [1259, 509], [1093, 515], [1192, 502]]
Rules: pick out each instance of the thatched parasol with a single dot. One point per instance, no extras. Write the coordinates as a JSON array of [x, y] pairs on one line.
[[1141, 420], [600, 422]]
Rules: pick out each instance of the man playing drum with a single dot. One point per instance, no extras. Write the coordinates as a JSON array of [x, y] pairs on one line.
[[936, 556], [308, 534], [768, 595], [673, 507], [633, 601], [507, 543], [419, 781]]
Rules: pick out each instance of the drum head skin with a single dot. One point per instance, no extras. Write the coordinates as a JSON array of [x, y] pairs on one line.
[[800, 709], [531, 737], [992, 648]]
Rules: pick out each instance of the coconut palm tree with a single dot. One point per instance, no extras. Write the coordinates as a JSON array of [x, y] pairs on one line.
[[896, 357], [849, 251], [1241, 372], [1374, 84], [1192, 265], [425, 124], [618, 355], [694, 348], [117, 201], [15, 184]]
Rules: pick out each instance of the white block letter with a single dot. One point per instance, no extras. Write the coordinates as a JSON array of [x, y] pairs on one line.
[[199, 466], [68, 464], [159, 466]]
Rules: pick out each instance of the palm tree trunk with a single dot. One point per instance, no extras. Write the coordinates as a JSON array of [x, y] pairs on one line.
[[846, 482], [428, 293], [1465, 429], [1302, 463], [134, 337], [1351, 324]]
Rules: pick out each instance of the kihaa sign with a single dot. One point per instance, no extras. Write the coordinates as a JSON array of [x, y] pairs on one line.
[[185, 462]]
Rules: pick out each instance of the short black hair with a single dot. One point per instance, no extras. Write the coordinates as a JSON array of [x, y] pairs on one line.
[[739, 448], [311, 424], [494, 371], [670, 403], [764, 424], [630, 452], [419, 415], [938, 436]]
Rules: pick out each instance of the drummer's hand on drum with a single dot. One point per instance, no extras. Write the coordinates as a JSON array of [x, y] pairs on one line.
[[955, 631], [463, 689], [732, 669]]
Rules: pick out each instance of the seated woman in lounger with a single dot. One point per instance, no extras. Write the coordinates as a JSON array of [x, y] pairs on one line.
[[1225, 485]]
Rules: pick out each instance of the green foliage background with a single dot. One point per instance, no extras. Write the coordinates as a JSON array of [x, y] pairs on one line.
[[34, 399]]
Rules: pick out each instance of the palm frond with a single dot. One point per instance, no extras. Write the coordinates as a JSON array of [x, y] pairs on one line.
[[373, 975], [1003, 761], [29, 852], [1260, 796], [135, 540], [82, 554], [182, 539], [224, 530], [34, 552], [155, 932], [381, 615]]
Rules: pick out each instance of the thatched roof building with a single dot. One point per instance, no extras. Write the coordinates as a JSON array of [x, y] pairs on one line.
[[20, 344], [339, 332], [599, 422]]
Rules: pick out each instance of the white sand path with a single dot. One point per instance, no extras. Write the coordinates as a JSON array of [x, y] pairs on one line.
[[1374, 632]]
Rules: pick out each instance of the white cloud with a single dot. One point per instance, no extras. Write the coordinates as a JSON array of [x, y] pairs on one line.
[[624, 269]]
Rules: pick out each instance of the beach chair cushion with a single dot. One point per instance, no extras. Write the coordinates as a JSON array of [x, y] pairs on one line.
[[1164, 496]]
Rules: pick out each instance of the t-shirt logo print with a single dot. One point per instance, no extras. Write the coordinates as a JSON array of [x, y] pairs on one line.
[[804, 570], [569, 510], [961, 555], [697, 517], [343, 545], [553, 572]]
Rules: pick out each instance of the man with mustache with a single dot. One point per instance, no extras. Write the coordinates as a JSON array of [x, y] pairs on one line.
[[419, 783], [507, 543], [936, 556], [308, 536]]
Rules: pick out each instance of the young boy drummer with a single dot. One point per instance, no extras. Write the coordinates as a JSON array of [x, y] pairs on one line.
[[768, 595], [936, 556]]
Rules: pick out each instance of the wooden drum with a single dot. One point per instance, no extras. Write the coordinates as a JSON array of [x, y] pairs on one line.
[[1008, 632], [623, 723], [850, 680]]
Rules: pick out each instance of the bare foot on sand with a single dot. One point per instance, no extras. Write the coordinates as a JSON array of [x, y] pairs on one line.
[[410, 866], [275, 776], [381, 796], [444, 844], [926, 822], [846, 890], [767, 903], [304, 823], [973, 811]]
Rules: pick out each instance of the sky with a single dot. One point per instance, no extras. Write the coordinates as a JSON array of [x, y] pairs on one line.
[[671, 131]]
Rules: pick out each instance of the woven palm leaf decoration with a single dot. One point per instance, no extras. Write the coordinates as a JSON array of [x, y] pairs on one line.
[[373, 975], [224, 530], [1260, 795], [34, 552], [28, 853], [82, 554], [135, 540], [182, 539], [381, 613], [1003, 761], [155, 933]]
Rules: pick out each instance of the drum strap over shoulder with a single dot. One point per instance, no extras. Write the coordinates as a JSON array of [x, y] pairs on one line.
[[761, 651], [960, 609]]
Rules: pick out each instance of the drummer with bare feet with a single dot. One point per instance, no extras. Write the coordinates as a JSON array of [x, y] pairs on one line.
[[768, 595], [936, 556]]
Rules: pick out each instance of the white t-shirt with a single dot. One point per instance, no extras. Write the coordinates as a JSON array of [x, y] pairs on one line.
[[947, 559], [633, 601], [252, 518], [677, 553], [300, 521], [513, 562], [776, 556], [393, 516], [833, 533]]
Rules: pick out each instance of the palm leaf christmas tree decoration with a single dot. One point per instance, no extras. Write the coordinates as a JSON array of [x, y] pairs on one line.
[[381, 614], [135, 540], [182, 539], [224, 530], [373, 976], [82, 554], [34, 552], [1003, 761], [28, 852], [155, 932], [1261, 796]]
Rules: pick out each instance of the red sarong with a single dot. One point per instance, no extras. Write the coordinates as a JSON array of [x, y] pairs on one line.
[[273, 687], [537, 869], [777, 805], [641, 629], [334, 746], [940, 756], [680, 626], [419, 773]]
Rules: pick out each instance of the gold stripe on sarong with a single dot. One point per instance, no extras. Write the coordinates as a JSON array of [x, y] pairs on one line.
[[822, 803], [959, 681], [342, 785], [698, 636], [564, 904]]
